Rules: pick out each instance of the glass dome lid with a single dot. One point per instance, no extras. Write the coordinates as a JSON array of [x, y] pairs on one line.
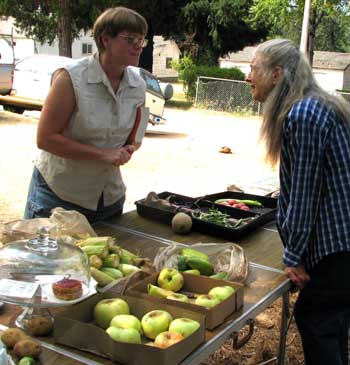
[[43, 272]]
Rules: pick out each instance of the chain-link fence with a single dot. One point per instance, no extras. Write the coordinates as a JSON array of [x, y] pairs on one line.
[[230, 96], [225, 95]]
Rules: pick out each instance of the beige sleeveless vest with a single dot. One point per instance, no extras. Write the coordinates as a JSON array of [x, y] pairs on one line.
[[102, 119]]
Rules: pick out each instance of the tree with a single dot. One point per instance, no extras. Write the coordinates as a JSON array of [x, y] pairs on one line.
[[213, 27], [217, 27], [44, 20], [329, 22]]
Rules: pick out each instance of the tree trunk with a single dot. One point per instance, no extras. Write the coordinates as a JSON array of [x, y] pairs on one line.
[[146, 59], [65, 29]]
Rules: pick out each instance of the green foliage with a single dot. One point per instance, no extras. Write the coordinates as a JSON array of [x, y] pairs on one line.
[[39, 19], [329, 21], [219, 25], [189, 72]]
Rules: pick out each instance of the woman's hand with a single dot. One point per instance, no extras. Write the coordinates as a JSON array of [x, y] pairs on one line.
[[117, 156], [298, 275]]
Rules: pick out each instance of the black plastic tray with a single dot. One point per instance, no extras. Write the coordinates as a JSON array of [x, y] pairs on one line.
[[269, 204], [163, 215]]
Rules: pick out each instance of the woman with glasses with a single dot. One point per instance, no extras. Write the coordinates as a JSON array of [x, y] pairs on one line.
[[86, 128]]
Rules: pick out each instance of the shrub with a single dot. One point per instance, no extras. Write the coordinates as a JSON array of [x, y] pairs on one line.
[[189, 72]]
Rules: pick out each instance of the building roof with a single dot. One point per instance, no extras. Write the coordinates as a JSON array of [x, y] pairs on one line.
[[160, 43], [322, 59]]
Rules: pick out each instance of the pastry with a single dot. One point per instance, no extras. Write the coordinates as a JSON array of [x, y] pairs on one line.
[[67, 289]]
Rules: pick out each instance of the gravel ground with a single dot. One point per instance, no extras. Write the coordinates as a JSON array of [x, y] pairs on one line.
[[181, 156]]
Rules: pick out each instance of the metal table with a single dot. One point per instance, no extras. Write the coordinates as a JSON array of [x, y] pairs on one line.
[[265, 284]]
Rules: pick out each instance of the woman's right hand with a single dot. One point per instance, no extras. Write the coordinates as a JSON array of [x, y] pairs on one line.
[[117, 156]]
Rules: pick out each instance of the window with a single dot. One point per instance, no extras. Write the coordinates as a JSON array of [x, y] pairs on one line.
[[86, 48], [151, 81], [168, 62]]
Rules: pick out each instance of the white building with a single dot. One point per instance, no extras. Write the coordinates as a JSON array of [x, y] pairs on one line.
[[22, 46], [331, 69], [164, 52], [81, 47]]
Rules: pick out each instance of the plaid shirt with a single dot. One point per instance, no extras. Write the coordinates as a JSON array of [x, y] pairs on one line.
[[313, 215]]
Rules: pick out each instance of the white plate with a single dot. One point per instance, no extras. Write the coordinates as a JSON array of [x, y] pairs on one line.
[[48, 297]]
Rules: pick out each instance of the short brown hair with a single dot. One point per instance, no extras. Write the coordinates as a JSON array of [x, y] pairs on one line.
[[115, 20]]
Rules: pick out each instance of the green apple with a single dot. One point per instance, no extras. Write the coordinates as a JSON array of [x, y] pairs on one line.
[[166, 339], [106, 309], [126, 321], [128, 335], [184, 326], [179, 297], [221, 292], [207, 300], [157, 291], [170, 279], [155, 322]]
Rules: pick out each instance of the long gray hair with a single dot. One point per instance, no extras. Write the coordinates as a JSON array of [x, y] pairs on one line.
[[297, 81]]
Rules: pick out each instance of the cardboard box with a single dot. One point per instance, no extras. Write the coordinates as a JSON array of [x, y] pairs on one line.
[[200, 285], [75, 328]]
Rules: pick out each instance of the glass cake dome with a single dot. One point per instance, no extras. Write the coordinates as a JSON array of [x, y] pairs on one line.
[[29, 268]]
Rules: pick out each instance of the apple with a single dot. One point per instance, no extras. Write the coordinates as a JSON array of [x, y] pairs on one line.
[[179, 297], [128, 335], [221, 292], [170, 279], [184, 326], [106, 309], [158, 292], [155, 322], [126, 321], [207, 300], [166, 339]]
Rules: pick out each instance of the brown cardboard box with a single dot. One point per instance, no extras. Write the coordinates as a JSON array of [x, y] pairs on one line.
[[200, 285], [75, 328]]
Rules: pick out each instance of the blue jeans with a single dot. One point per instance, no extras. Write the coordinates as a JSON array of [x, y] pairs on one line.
[[322, 312], [41, 200]]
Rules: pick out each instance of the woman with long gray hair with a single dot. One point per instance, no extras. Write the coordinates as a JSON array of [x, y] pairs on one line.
[[306, 130]]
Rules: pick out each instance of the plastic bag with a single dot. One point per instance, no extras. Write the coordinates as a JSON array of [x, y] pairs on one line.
[[23, 229], [71, 223], [227, 257], [62, 224]]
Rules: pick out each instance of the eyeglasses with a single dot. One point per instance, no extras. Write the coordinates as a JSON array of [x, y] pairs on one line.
[[135, 41]]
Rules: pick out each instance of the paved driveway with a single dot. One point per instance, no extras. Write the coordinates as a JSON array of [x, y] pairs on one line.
[[182, 157]]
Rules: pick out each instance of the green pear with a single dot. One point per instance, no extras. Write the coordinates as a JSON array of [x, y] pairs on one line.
[[158, 292]]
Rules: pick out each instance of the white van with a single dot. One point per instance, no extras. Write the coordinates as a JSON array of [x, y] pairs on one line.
[[32, 77]]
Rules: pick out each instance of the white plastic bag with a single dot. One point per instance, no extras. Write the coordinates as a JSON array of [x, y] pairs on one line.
[[62, 224], [227, 257], [71, 223]]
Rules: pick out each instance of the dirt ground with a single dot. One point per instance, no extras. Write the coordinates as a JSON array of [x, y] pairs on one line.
[[183, 157]]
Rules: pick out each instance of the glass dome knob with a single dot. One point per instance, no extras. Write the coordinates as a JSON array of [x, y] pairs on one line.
[[43, 241]]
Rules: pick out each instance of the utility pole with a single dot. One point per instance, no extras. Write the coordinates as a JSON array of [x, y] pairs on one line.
[[304, 41]]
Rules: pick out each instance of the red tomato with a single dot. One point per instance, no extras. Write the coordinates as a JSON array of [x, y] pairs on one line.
[[232, 201], [245, 208]]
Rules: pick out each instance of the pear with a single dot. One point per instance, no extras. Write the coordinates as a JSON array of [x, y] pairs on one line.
[[158, 292]]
